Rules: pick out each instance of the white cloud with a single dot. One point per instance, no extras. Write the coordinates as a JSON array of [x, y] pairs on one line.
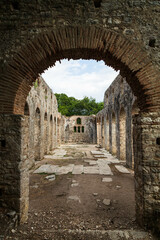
[[80, 78]]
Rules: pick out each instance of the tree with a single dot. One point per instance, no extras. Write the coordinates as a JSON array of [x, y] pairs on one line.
[[70, 106]]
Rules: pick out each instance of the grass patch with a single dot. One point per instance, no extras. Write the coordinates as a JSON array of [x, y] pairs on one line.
[[43, 173]]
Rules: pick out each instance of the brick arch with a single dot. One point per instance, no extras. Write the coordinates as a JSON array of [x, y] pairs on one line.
[[75, 43]]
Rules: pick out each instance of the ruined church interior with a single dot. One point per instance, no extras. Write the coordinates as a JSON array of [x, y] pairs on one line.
[[80, 177]]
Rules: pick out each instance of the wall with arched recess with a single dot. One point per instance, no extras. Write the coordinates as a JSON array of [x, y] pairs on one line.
[[118, 101], [42, 98], [81, 129], [125, 34]]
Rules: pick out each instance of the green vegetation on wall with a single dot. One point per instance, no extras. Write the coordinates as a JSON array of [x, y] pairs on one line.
[[70, 106]]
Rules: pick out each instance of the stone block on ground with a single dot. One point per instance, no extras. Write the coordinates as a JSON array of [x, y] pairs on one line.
[[74, 198], [121, 169], [107, 202], [108, 179], [51, 177], [77, 169], [104, 168], [47, 168], [65, 169], [91, 170], [96, 153]]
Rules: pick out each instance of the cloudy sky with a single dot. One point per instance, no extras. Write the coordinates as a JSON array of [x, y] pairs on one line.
[[79, 78]]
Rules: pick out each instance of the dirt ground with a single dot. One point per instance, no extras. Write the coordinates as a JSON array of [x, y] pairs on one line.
[[52, 213]]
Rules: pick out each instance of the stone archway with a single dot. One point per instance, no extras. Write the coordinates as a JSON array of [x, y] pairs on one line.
[[78, 42], [100, 44]]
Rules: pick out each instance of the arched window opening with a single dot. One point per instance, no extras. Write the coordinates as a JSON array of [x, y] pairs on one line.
[[79, 129], [82, 129], [26, 109], [51, 118], [75, 129], [37, 111], [45, 116], [78, 120]]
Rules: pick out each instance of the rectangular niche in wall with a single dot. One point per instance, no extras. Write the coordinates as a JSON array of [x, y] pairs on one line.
[[79, 129], [75, 130], [82, 129], [2, 145]]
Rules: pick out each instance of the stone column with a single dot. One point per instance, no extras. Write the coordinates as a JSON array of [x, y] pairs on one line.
[[110, 133], [129, 138], [105, 132], [146, 140], [97, 131], [117, 135], [14, 175], [102, 131]]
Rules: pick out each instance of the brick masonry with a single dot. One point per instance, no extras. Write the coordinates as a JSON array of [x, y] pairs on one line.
[[125, 34]]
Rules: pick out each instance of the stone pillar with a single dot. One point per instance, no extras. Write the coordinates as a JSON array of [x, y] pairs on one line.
[[105, 132], [146, 140], [14, 175], [118, 135], [110, 133], [102, 131], [129, 138], [97, 124]]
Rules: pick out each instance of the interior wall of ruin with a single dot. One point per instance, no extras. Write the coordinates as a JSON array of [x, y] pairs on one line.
[[43, 112], [81, 129], [119, 103]]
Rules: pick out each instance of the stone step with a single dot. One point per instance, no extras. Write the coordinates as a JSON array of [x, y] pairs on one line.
[[126, 234]]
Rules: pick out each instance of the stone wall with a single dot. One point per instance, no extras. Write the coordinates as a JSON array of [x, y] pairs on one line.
[[14, 164], [137, 138], [26, 138], [79, 129], [41, 107], [146, 136], [115, 120]]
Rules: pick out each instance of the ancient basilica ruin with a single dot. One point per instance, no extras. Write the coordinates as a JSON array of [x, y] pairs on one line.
[[125, 35]]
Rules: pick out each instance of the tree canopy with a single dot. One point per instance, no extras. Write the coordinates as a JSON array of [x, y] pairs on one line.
[[70, 106]]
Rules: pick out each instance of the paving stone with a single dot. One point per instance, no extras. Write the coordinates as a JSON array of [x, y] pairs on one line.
[[122, 169], [93, 162], [96, 153], [47, 168], [99, 156], [77, 169], [74, 198], [104, 169], [107, 179], [65, 169], [91, 170], [107, 202], [109, 161]]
